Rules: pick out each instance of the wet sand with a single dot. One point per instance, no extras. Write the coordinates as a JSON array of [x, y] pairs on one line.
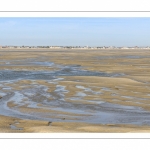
[[15, 125], [74, 90]]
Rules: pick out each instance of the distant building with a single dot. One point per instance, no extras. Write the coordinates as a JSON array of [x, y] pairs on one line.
[[111, 47], [10, 47], [4, 46], [74, 47], [56, 47], [124, 47], [146, 47]]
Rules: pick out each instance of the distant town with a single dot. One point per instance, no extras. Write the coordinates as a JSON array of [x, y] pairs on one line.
[[71, 47]]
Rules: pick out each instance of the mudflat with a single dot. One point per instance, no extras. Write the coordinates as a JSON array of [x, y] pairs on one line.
[[74, 90]]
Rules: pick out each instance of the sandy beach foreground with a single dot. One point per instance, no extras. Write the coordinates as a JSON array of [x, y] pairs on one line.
[[15, 125], [78, 90]]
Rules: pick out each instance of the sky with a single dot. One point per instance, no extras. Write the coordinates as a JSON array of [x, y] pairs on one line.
[[77, 31]]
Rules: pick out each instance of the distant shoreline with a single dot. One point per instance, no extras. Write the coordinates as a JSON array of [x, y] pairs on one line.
[[69, 49]]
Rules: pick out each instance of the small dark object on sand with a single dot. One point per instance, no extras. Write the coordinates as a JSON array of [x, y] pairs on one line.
[[63, 118], [49, 123]]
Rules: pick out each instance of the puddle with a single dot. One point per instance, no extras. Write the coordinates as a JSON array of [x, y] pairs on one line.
[[81, 94], [80, 87], [87, 89], [58, 79], [128, 97], [95, 102], [6, 88], [106, 89], [113, 94], [118, 75], [2, 94], [121, 107], [18, 97], [13, 127], [76, 111], [29, 93], [60, 88], [133, 57], [75, 98], [135, 98], [43, 63]]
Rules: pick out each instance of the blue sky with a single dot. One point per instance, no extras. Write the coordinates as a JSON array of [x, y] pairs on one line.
[[75, 31]]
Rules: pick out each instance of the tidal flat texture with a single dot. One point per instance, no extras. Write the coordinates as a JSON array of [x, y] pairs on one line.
[[74, 90]]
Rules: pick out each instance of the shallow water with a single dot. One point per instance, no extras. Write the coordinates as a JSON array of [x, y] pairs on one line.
[[47, 75], [75, 107], [93, 111], [60, 70]]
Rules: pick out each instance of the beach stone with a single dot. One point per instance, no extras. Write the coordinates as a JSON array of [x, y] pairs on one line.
[[49, 123]]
